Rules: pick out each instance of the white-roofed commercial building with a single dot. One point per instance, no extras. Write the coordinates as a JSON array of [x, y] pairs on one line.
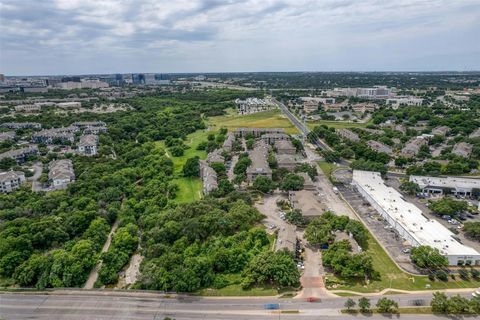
[[438, 185], [409, 221]]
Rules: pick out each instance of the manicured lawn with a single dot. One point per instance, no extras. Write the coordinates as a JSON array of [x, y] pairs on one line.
[[236, 290], [266, 119], [393, 277], [190, 188], [336, 124]]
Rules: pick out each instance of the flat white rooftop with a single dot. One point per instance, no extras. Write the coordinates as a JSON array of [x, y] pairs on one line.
[[425, 231], [446, 182]]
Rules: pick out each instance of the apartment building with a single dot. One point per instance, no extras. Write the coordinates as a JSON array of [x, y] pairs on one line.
[[310, 106], [259, 165], [364, 107], [271, 138], [50, 136], [287, 161], [229, 141], [208, 176], [285, 147], [60, 173], [21, 154], [11, 181], [21, 125], [412, 148], [88, 124], [441, 131], [69, 105], [28, 108], [88, 145], [379, 147], [463, 149], [8, 135], [475, 134], [253, 105], [256, 132], [215, 156], [348, 134]]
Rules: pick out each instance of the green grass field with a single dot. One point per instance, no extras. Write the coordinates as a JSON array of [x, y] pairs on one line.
[[393, 277], [193, 140], [336, 124], [328, 167], [266, 119], [190, 188]]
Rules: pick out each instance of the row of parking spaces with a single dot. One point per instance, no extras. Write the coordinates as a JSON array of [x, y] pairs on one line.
[[299, 250], [386, 234]]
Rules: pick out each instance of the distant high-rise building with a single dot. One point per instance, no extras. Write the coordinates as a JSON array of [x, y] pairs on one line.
[[71, 79], [138, 78], [150, 79], [2, 77], [162, 78], [53, 82]]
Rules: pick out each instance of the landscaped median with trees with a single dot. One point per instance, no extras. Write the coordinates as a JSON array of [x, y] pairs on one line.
[[440, 304]]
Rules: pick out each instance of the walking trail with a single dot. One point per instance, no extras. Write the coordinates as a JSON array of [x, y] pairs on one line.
[[92, 278]]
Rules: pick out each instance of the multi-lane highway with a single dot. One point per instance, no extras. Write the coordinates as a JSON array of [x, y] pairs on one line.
[[77, 304], [298, 124]]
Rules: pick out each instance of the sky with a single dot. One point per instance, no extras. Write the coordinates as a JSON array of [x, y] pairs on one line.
[[51, 37]]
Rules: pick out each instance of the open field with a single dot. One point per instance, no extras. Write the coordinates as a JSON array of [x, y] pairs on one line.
[[193, 140], [190, 188], [336, 124], [393, 277], [265, 119]]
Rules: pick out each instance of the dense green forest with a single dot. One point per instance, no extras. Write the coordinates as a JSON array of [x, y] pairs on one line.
[[54, 239], [328, 80]]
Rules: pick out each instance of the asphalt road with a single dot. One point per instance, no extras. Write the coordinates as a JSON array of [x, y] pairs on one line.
[[133, 305], [304, 129]]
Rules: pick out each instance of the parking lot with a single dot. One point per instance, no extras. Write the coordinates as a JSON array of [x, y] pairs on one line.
[[387, 236]]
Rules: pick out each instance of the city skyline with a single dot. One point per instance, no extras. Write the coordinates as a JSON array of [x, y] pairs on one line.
[[100, 37]]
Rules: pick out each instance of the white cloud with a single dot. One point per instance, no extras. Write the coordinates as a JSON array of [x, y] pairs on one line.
[[231, 34]]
